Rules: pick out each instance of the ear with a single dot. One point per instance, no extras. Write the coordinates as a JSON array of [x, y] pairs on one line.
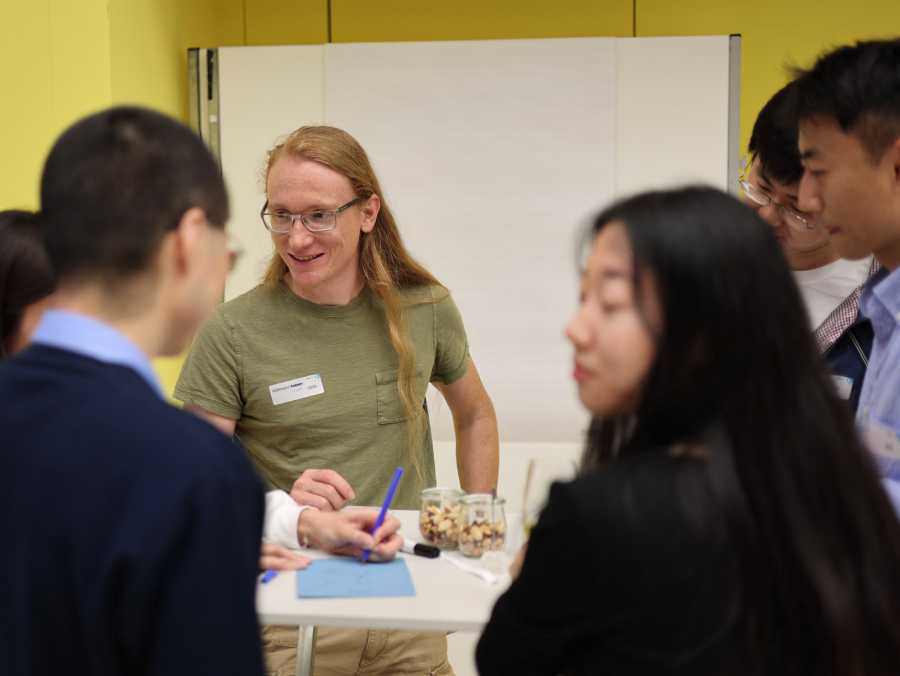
[[893, 157], [369, 210], [186, 239]]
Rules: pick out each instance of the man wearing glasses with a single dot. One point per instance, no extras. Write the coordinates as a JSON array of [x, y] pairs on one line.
[[322, 370], [830, 285]]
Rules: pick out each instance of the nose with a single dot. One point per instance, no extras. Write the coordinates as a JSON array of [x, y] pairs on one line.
[[299, 237], [771, 214], [808, 198], [576, 330]]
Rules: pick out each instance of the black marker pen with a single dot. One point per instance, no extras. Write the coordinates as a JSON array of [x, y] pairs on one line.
[[412, 547]]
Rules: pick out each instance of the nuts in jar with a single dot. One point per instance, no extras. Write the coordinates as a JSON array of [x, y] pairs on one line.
[[483, 525], [439, 517], [498, 514]]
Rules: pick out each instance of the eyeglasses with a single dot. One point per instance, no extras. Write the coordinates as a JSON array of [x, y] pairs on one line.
[[320, 220], [762, 199]]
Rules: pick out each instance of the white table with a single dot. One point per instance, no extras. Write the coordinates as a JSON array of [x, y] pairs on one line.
[[447, 599]]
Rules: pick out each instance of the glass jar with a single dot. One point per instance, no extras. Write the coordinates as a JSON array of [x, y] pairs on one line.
[[476, 534], [439, 516], [498, 517]]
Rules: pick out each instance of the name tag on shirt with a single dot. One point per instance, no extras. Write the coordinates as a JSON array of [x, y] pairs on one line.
[[843, 385], [298, 388]]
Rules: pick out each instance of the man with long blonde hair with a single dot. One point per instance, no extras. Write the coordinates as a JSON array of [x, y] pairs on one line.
[[322, 369]]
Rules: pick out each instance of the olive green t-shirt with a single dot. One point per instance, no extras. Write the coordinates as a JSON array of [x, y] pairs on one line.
[[315, 386]]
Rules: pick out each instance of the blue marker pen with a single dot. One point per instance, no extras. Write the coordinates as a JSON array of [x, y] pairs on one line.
[[388, 499], [268, 576]]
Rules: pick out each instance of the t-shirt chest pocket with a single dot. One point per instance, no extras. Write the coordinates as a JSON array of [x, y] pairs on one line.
[[389, 405]]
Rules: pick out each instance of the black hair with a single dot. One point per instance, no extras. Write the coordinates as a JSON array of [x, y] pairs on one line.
[[859, 88], [774, 137], [115, 182], [26, 275], [737, 373]]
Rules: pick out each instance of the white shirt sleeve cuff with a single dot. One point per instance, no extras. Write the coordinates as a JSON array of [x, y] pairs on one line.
[[282, 514]]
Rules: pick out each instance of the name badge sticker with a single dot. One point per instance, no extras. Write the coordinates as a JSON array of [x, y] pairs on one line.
[[298, 388], [843, 385]]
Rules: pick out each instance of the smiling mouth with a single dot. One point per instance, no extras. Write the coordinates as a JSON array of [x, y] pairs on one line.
[[306, 259]]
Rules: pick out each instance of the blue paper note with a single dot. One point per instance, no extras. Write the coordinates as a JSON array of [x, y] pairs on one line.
[[335, 578]]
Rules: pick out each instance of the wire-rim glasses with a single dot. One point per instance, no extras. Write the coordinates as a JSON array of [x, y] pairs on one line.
[[762, 199], [317, 220]]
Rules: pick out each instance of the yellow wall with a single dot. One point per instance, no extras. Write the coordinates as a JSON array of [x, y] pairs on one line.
[[61, 59], [54, 67], [144, 53], [27, 111], [65, 58], [399, 20], [149, 41], [276, 22]]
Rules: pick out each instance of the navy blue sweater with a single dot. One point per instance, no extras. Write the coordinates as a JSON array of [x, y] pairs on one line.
[[130, 530]]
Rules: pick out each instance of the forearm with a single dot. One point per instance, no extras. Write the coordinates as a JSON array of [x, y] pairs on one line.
[[477, 452]]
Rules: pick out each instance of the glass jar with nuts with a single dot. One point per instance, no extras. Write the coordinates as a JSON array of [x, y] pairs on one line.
[[498, 516], [481, 529], [439, 517]]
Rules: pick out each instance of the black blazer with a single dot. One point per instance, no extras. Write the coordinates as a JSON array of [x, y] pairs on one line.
[[623, 575]]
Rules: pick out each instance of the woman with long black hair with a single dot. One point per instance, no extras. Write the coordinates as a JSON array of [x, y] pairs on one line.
[[727, 519]]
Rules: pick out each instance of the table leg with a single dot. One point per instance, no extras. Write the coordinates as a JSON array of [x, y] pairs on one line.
[[306, 649]]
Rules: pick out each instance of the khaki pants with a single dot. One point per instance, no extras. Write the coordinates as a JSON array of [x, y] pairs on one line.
[[359, 652]]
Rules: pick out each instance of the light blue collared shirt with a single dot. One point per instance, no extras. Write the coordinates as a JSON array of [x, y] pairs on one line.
[[92, 338], [879, 401]]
